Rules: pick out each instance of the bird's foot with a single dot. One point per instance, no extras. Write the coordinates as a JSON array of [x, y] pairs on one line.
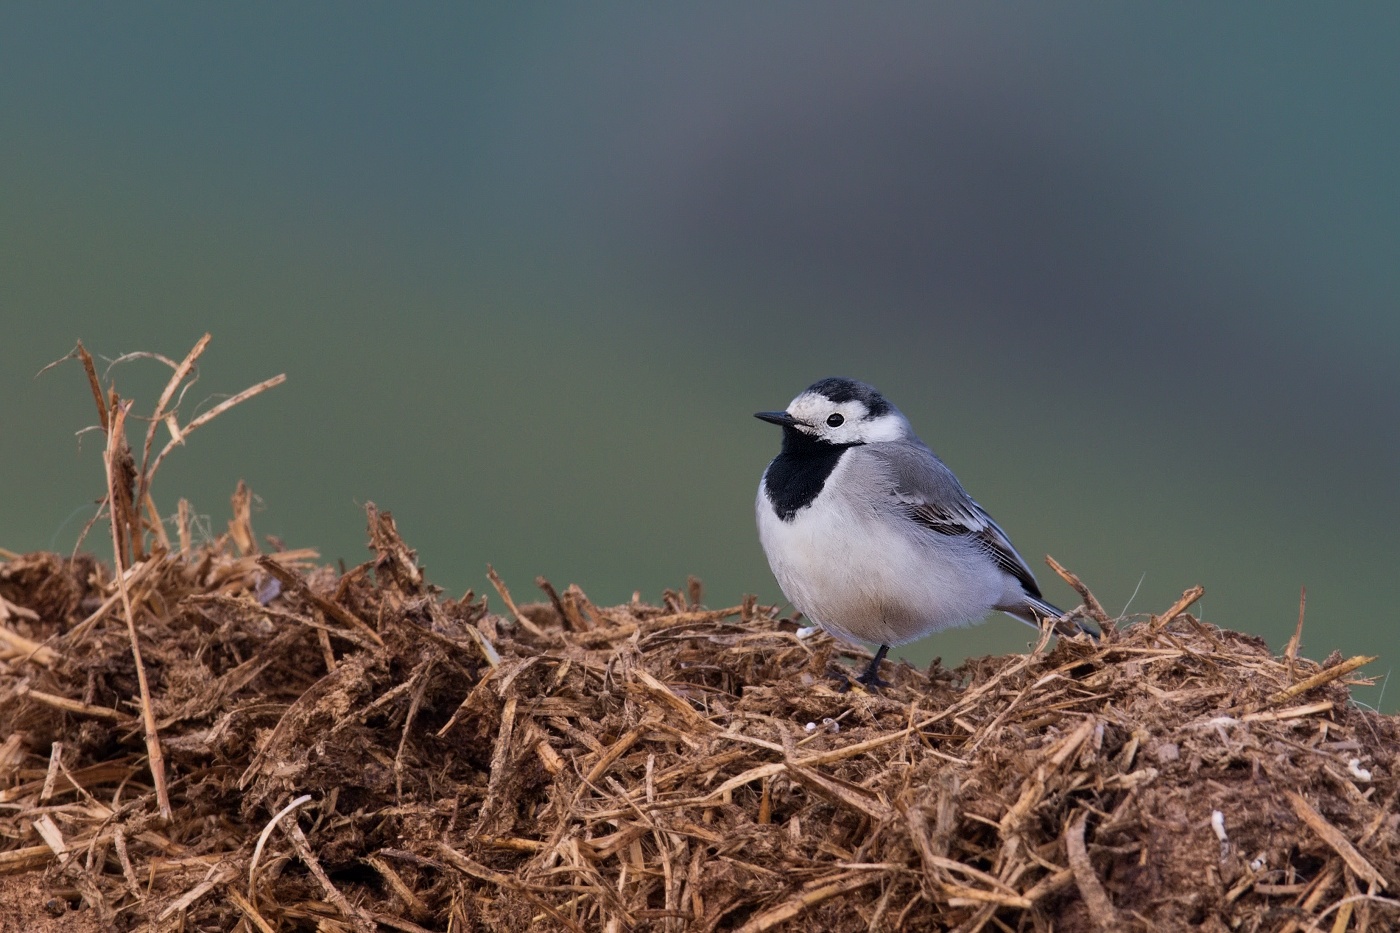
[[871, 679]]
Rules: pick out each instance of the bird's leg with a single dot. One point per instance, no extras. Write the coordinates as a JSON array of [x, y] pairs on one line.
[[871, 677]]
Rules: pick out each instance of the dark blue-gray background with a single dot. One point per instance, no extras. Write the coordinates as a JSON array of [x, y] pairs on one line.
[[1132, 271]]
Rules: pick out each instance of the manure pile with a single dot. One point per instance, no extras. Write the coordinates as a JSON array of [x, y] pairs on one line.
[[352, 751], [209, 737]]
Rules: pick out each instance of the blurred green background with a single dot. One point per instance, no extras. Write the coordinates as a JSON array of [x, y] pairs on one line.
[[1132, 271]]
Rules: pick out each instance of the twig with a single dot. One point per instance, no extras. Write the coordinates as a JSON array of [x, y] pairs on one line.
[[1091, 603], [554, 600], [352, 914], [266, 832], [1291, 652], [8, 609], [419, 679], [797, 905], [115, 441], [1181, 605], [154, 522], [210, 415], [76, 707], [336, 611], [1293, 712], [249, 911], [528, 890], [217, 875], [500, 771], [415, 904], [1033, 789], [1334, 838], [183, 523], [11, 756], [134, 575], [124, 857], [520, 618], [1320, 678], [16, 861], [51, 778], [1101, 909], [1359, 899], [81, 354], [240, 526], [27, 649], [1049, 885], [53, 837], [145, 476]]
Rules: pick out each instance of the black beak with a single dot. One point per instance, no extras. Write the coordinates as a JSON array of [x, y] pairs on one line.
[[776, 417]]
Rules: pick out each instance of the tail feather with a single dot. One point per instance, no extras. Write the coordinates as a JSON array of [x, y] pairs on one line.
[[1035, 610]]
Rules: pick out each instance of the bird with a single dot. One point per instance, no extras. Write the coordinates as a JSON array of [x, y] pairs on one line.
[[870, 534]]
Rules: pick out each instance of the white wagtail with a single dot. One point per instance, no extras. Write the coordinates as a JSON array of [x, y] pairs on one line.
[[872, 537]]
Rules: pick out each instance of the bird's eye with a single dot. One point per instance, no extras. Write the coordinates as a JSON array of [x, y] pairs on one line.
[[835, 421]]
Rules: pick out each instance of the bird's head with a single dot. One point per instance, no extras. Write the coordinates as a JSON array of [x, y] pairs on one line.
[[841, 412]]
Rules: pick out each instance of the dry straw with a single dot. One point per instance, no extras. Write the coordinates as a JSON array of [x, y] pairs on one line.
[[293, 747]]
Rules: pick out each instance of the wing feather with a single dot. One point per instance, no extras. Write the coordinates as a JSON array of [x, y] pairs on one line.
[[932, 496]]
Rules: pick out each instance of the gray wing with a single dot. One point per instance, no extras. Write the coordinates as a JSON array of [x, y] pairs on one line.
[[931, 495]]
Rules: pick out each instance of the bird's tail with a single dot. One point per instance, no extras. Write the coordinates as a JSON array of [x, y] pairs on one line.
[[1034, 611]]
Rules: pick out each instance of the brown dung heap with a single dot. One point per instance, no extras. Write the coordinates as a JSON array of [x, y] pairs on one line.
[[293, 747]]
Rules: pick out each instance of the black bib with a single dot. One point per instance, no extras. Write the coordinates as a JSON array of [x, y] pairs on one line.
[[796, 476]]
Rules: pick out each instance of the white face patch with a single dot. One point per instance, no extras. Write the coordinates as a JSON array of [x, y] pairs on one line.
[[853, 423]]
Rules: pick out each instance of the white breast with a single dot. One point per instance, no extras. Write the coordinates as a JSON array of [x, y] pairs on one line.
[[864, 573]]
